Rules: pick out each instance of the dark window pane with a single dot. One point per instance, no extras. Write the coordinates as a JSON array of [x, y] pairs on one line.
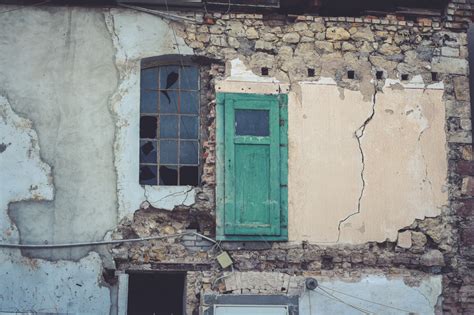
[[168, 152], [169, 76], [188, 175], [189, 102], [251, 122], [148, 175], [148, 101], [189, 78], [189, 127], [169, 102], [168, 175], [188, 151], [149, 78], [148, 151], [148, 126], [169, 126]]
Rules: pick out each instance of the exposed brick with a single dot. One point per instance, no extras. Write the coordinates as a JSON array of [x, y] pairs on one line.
[[465, 168], [467, 234], [466, 208]]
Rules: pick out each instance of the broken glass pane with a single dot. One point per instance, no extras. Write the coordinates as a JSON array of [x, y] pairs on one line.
[[169, 76], [169, 126], [168, 152], [188, 151], [189, 127], [148, 175], [168, 102], [148, 125], [189, 102], [188, 175], [148, 101], [249, 122], [189, 78], [168, 175], [148, 151], [149, 78]]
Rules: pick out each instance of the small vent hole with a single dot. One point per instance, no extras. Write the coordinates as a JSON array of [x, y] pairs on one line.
[[379, 75], [264, 71], [311, 72], [351, 74], [404, 77], [434, 76]]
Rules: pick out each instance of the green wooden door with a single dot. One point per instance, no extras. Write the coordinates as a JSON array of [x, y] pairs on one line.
[[252, 166]]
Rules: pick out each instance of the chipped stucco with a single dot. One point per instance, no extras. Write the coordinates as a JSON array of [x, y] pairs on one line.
[[136, 36], [373, 293], [379, 176], [83, 112], [30, 284], [341, 142], [364, 294]]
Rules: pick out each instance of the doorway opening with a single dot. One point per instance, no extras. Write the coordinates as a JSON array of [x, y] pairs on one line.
[[156, 293]]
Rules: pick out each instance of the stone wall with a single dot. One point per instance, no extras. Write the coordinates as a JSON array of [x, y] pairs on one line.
[[378, 51], [65, 117]]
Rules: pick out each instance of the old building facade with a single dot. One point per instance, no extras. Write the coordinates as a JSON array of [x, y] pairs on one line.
[[142, 148]]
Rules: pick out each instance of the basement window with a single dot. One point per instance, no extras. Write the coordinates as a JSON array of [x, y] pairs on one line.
[[156, 293], [251, 304], [169, 125]]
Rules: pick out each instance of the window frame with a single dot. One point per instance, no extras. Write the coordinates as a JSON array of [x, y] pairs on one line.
[[282, 101], [290, 301], [178, 61]]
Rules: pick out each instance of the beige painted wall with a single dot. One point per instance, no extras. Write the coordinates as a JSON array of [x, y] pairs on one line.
[[405, 162], [404, 148]]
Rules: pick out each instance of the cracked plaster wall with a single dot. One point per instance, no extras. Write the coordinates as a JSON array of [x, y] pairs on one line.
[[419, 295], [137, 36], [29, 284], [51, 77], [79, 87], [334, 195], [361, 167]]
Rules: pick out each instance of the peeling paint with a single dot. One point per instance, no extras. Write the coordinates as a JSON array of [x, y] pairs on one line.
[[391, 141], [149, 36], [43, 283]]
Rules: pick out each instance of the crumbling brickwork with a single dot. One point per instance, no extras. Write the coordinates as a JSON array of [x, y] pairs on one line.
[[437, 51]]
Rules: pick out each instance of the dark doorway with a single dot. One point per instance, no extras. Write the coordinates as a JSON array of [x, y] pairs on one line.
[[156, 293]]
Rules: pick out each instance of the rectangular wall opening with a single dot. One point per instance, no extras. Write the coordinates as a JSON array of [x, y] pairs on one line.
[[154, 293]]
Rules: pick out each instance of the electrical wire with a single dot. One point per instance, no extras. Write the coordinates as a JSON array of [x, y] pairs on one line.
[[168, 16], [331, 296], [355, 297], [26, 6], [98, 243]]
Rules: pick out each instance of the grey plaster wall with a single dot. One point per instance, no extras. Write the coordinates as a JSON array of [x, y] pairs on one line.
[[58, 71], [69, 123]]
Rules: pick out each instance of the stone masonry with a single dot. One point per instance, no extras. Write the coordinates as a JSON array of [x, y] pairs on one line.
[[308, 48]]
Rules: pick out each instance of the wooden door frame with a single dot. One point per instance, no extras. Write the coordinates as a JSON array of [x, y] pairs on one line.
[[282, 101]]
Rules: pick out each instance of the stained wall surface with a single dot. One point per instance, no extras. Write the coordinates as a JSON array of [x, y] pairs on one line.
[[69, 99], [360, 170]]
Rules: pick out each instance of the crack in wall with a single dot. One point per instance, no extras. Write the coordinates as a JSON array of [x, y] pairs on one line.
[[174, 194], [426, 179], [359, 133]]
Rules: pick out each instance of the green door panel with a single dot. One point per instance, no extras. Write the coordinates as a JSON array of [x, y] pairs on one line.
[[250, 203]]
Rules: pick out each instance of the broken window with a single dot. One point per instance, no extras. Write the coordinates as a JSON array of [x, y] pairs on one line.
[[169, 125]]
